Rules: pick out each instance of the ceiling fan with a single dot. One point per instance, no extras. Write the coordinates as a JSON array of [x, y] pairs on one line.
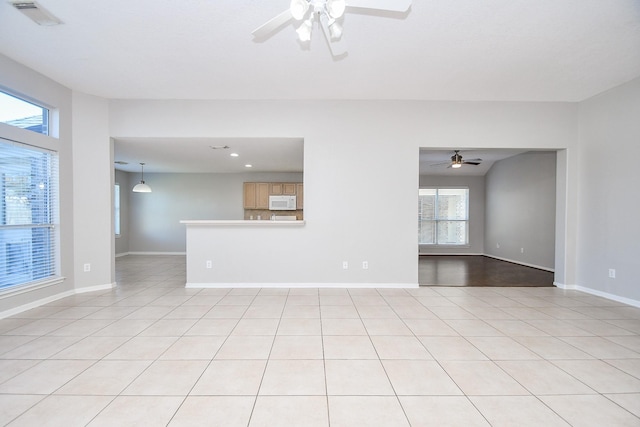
[[328, 14], [457, 161]]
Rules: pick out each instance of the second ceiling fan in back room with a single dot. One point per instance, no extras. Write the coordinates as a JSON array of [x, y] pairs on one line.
[[328, 14], [457, 161]]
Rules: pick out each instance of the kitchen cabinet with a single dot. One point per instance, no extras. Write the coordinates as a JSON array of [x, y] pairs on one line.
[[249, 195], [299, 196], [256, 195], [276, 189], [262, 195]]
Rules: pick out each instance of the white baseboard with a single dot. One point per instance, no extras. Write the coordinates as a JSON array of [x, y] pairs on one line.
[[35, 304], [526, 264], [602, 294], [302, 285], [42, 301], [156, 253], [96, 288], [450, 253], [122, 254]]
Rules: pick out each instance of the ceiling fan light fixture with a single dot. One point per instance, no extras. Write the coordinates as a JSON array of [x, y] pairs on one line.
[[336, 30], [456, 160], [336, 8], [304, 31], [299, 9], [141, 187]]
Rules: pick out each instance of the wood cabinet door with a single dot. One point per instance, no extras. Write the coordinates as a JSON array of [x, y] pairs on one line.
[[262, 195], [276, 189], [299, 196], [249, 192], [289, 188]]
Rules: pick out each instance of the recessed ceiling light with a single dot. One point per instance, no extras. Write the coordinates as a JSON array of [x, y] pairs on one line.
[[248, 166], [234, 154]]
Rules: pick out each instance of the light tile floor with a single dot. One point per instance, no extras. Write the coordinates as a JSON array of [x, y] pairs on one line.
[[151, 352]]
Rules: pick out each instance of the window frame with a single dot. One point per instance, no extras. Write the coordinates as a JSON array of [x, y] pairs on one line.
[[49, 242], [436, 221], [44, 124], [117, 224]]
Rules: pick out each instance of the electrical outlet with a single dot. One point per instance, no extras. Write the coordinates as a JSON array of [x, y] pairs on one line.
[[521, 250], [87, 268], [209, 264], [345, 265], [497, 245], [612, 273], [365, 265]]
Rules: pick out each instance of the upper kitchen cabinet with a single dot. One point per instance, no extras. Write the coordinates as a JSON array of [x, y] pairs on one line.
[[256, 195], [283, 189], [276, 189], [249, 191], [299, 196], [289, 188]]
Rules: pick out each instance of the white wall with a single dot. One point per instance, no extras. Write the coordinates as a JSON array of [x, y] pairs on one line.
[[368, 154], [92, 192], [356, 151], [521, 209], [475, 184], [609, 198], [154, 218], [31, 85]]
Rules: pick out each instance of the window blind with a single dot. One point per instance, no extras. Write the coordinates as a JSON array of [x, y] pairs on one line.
[[28, 214], [443, 216]]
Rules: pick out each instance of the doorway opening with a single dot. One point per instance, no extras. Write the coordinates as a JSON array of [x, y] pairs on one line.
[[505, 232]]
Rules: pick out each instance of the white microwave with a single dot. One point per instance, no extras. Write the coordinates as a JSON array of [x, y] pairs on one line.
[[282, 203]]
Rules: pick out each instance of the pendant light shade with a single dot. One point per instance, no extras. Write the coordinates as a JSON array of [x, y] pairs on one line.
[[142, 187]]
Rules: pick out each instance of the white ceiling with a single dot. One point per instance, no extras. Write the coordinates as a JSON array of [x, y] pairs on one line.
[[502, 50], [195, 155], [521, 50]]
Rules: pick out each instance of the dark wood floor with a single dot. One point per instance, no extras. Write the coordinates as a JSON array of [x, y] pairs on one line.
[[471, 270]]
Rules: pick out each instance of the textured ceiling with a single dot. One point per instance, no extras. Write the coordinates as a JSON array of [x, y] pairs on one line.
[[519, 50]]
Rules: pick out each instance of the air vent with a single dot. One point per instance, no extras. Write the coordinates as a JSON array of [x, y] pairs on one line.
[[121, 162], [36, 13], [20, 6]]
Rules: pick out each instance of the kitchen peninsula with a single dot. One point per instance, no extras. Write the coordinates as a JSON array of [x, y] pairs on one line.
[[243, 253]]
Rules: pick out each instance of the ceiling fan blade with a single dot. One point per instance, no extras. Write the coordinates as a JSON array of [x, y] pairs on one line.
[[470, 163], [338, 47], [268, 28], [474, 160], [440, 164], [391, 5]]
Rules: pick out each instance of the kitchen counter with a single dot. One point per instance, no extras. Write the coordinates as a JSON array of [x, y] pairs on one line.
[[242, 223]]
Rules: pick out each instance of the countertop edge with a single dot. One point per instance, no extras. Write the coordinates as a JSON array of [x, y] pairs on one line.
[[241, 223]]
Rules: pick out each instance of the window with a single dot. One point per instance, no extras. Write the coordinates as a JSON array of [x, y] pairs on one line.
[[23, 114], [116, 208], [28, 214], [443, 216]]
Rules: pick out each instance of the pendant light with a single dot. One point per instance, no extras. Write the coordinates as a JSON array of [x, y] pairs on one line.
[[142, 187]]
